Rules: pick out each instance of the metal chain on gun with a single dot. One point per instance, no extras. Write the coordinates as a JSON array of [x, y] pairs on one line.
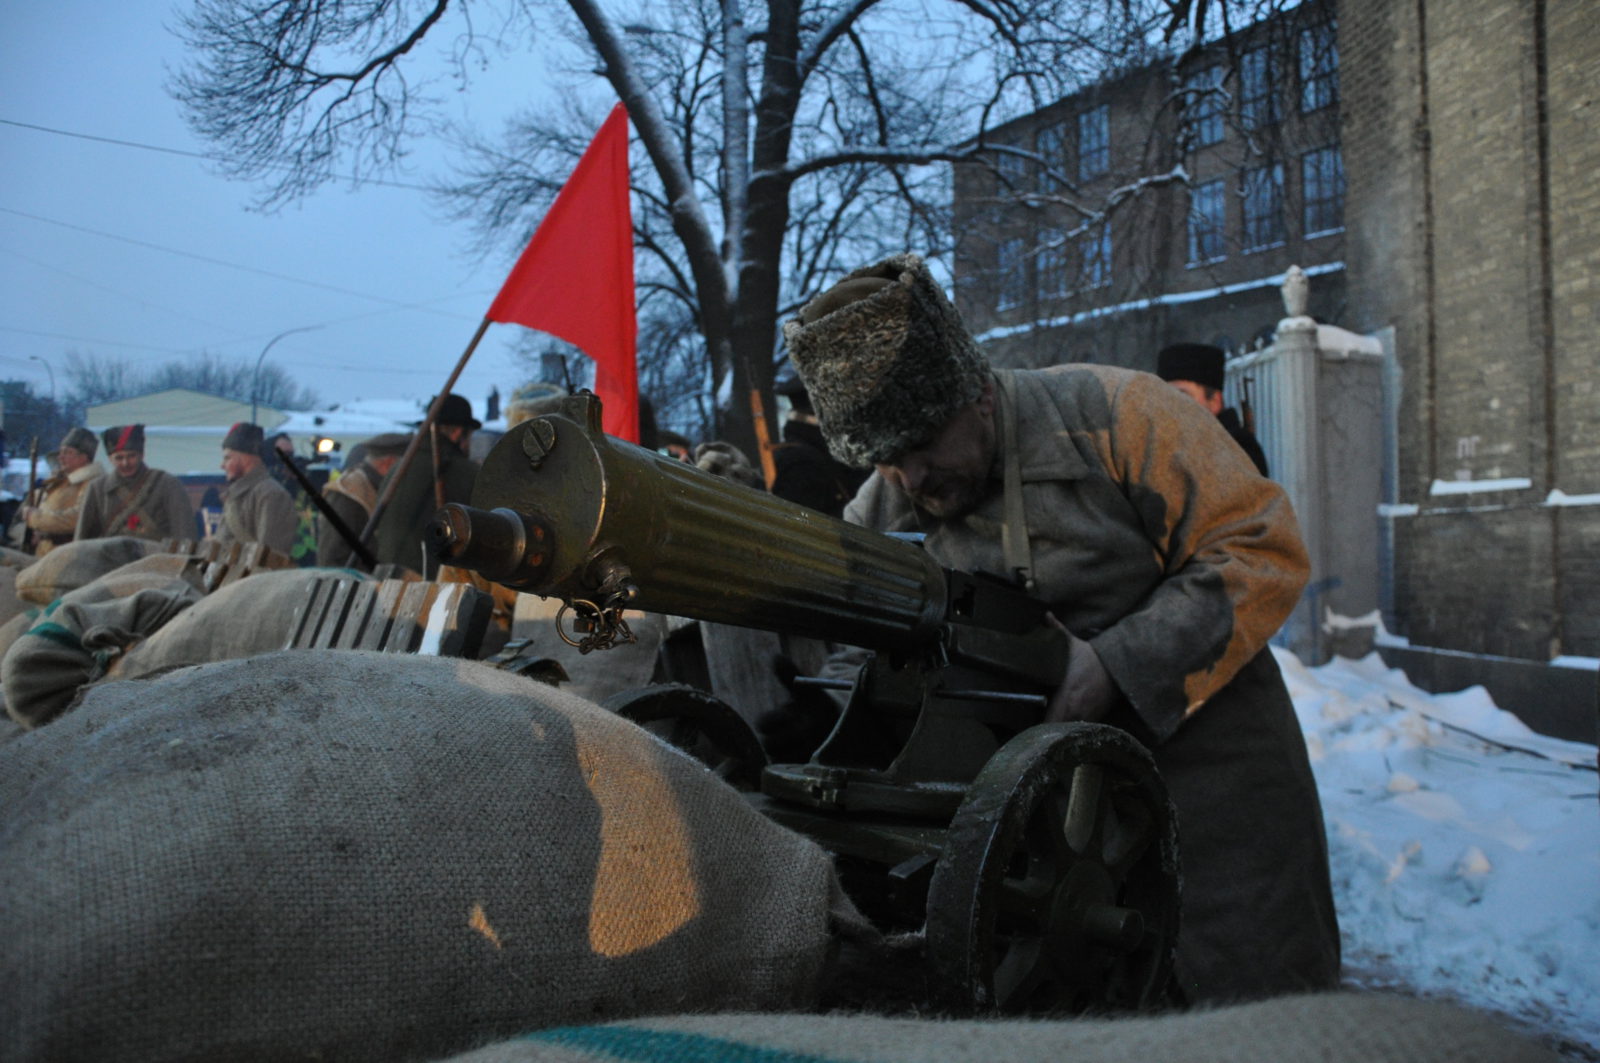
[[605, 624]]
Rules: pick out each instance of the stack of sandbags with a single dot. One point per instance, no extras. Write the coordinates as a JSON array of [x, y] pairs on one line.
[[1329, 1028], [358, 856], [77, 637], [76, 564], [242, 619]]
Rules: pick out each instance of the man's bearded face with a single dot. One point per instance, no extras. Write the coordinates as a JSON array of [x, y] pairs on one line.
[[949, 474]]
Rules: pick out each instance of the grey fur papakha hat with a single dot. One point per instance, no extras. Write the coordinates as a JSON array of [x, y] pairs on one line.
[[886, 359]]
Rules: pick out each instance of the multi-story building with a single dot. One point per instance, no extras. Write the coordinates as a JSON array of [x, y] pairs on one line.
[[1161, 205], [1166, 203]]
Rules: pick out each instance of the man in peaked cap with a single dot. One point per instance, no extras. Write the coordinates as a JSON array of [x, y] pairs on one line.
[[421, 490], [354, 494], [55, 518], [137, 500], [255, 507], [1197, 370], [1170, 562]]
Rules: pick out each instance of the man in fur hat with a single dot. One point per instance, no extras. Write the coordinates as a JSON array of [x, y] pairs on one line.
[[1170, 562], [255, 507], [55, 517], [354, 494], [439, 472], [1197, 370], [139, 501]]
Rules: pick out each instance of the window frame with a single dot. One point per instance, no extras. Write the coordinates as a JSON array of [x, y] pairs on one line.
[[1329, 206], [1318, 66], [1252, 219], [1205, 107], [1214, 191], [1094, 142], [1011, 274], [1260, 80]]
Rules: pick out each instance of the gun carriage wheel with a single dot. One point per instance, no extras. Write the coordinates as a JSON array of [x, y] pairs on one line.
[[703, 726], [1058, 885]]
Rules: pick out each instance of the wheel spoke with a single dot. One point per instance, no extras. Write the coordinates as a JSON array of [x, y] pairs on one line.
[[1083, 807], [1018, 971]]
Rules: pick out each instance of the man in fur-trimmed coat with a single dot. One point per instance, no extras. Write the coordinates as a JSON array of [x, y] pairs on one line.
[[1168, 559], [55, 518]]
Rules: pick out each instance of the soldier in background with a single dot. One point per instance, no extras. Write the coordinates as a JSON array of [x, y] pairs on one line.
[[353, 496], [139, 501], [1196, 369], [439, 472], [55, 518], [255, 507], [806, 472]]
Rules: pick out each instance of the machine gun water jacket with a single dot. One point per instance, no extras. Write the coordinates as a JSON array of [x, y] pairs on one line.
[[1152, 536]]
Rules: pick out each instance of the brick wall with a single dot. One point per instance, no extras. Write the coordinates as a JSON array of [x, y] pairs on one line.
[[1471, 164]]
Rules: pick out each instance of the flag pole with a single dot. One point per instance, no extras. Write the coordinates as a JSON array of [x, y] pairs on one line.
[[416, 438]]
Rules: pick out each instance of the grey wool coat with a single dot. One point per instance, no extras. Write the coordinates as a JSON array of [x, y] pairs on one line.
[[153, 505], [1153, 537], [256, 509]]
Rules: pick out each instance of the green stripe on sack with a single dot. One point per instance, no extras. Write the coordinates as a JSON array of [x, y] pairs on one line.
[[629, 1043], [57, 634]]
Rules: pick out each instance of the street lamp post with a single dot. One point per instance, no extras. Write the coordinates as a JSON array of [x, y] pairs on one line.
[[50, 423], [255, 378]]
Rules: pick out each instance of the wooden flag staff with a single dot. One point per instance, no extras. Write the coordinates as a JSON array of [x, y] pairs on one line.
[[423, 429]]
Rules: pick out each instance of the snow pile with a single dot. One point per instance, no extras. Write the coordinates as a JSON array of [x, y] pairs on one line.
[[1465, 848]]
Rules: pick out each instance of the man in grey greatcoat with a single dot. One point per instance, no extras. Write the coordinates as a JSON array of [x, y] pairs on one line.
[[1127, 509], [255, 507], [139, 501], [353, 496]]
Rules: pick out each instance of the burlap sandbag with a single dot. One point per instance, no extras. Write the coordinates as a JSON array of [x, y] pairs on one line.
[[1330, 1028], [76, 638], [10, 558], [12, 629], [10, 605], [75, 564], [360, 856], [242, 619]]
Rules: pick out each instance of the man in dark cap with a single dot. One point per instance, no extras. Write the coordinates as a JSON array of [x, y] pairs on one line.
[[354, 494], [139, 501], [805, 472], [255, 507], [1196, 369], [1168, 560], [439, 472], [54, 518]]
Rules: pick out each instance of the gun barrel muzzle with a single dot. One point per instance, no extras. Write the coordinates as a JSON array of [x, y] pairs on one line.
[[502, 544]]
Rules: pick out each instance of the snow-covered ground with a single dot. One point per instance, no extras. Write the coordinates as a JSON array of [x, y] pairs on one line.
[[1465, 848]]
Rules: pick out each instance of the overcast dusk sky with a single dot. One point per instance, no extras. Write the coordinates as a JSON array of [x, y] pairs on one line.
[[150, 256]]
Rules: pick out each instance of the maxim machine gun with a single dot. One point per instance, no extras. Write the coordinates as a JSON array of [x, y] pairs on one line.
[[1041, 858]]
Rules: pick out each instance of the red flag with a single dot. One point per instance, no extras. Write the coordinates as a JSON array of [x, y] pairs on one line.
[[575, 279]]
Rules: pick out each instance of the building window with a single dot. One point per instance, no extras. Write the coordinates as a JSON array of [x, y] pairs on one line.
[[1012, 275], [1258, 89], [1054, 265], [1012, 167], [1207, 223], [1094, 142], [1319, 67], [1261, 196], [1322, 177], [1202, 107], [1051, 144], [1095, 248]]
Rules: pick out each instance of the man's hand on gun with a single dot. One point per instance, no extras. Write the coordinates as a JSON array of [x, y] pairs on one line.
[[1086, 693]]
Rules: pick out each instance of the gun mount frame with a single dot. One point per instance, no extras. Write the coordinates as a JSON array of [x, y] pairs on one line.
[[1042, 860]]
